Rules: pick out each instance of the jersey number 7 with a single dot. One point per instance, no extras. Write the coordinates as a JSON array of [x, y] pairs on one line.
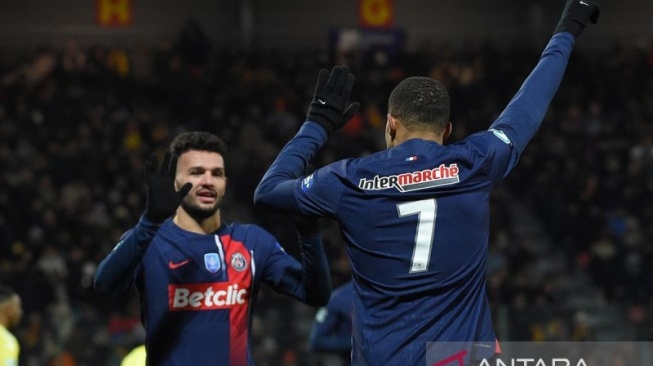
[[426, 211]]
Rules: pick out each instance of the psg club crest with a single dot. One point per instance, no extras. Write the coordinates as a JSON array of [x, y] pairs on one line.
[[212, 262], [238, 262]]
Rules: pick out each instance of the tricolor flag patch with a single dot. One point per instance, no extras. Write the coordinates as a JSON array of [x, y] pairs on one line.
[[411, 158]]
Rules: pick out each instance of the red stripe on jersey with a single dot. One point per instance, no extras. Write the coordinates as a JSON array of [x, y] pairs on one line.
[[239, 270]]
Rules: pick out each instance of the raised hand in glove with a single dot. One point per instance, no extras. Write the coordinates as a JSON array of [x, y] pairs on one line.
[[162, 198], [330, 108], [576, 16]]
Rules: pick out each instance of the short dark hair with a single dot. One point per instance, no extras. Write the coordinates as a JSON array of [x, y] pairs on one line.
[[197, 140], [420, 102], [6, 293]]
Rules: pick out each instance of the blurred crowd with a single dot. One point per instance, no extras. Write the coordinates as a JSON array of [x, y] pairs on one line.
[[77, 123]]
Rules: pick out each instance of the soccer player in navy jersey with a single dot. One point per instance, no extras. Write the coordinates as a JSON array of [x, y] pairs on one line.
[[415, 217], [198, 275], [331, 331]]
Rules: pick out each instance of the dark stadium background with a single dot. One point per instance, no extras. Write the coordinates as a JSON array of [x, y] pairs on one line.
[[82, 104]]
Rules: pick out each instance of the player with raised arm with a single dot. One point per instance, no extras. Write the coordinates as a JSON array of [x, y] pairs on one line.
[[415, 217], [198, 275]]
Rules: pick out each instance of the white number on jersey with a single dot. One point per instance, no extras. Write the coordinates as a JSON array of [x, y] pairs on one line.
[[426, 211]]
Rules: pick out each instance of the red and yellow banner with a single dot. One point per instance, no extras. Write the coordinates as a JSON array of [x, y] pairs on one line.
[[376, 13], [113, 13]]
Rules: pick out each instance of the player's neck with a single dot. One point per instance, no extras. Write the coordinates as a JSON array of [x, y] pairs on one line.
[[201, 226], [404, 135]]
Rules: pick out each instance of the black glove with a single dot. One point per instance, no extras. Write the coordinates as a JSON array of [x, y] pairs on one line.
[[162, 199], [331, 97], [577, 14]]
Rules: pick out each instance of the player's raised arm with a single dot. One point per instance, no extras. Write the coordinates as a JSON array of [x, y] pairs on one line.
[[329, 111], [116, 271], [525, 112]]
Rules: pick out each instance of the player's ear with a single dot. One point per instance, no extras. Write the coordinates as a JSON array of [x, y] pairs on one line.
[[447, 131], [391, 127]]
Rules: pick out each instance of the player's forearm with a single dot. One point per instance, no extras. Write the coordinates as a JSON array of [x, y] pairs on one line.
[[316, 276], [116, 272], [276, 189], [525, 112]]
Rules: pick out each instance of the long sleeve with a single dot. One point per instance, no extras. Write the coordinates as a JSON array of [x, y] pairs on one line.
[[116, 271], [310, 280], [316, 274], [523, 115], [276, 189]]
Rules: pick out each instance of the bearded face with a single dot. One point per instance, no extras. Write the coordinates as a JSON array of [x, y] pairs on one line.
[[205, 170], [203, 205]]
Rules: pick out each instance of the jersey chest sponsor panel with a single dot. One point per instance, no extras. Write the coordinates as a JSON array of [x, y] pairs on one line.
[[216, 276], [414, 180], [219, 279], [206, 296]]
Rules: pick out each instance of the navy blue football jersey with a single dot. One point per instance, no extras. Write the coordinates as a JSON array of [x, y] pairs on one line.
[[198, 292], [332, 329], [415, 219]]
